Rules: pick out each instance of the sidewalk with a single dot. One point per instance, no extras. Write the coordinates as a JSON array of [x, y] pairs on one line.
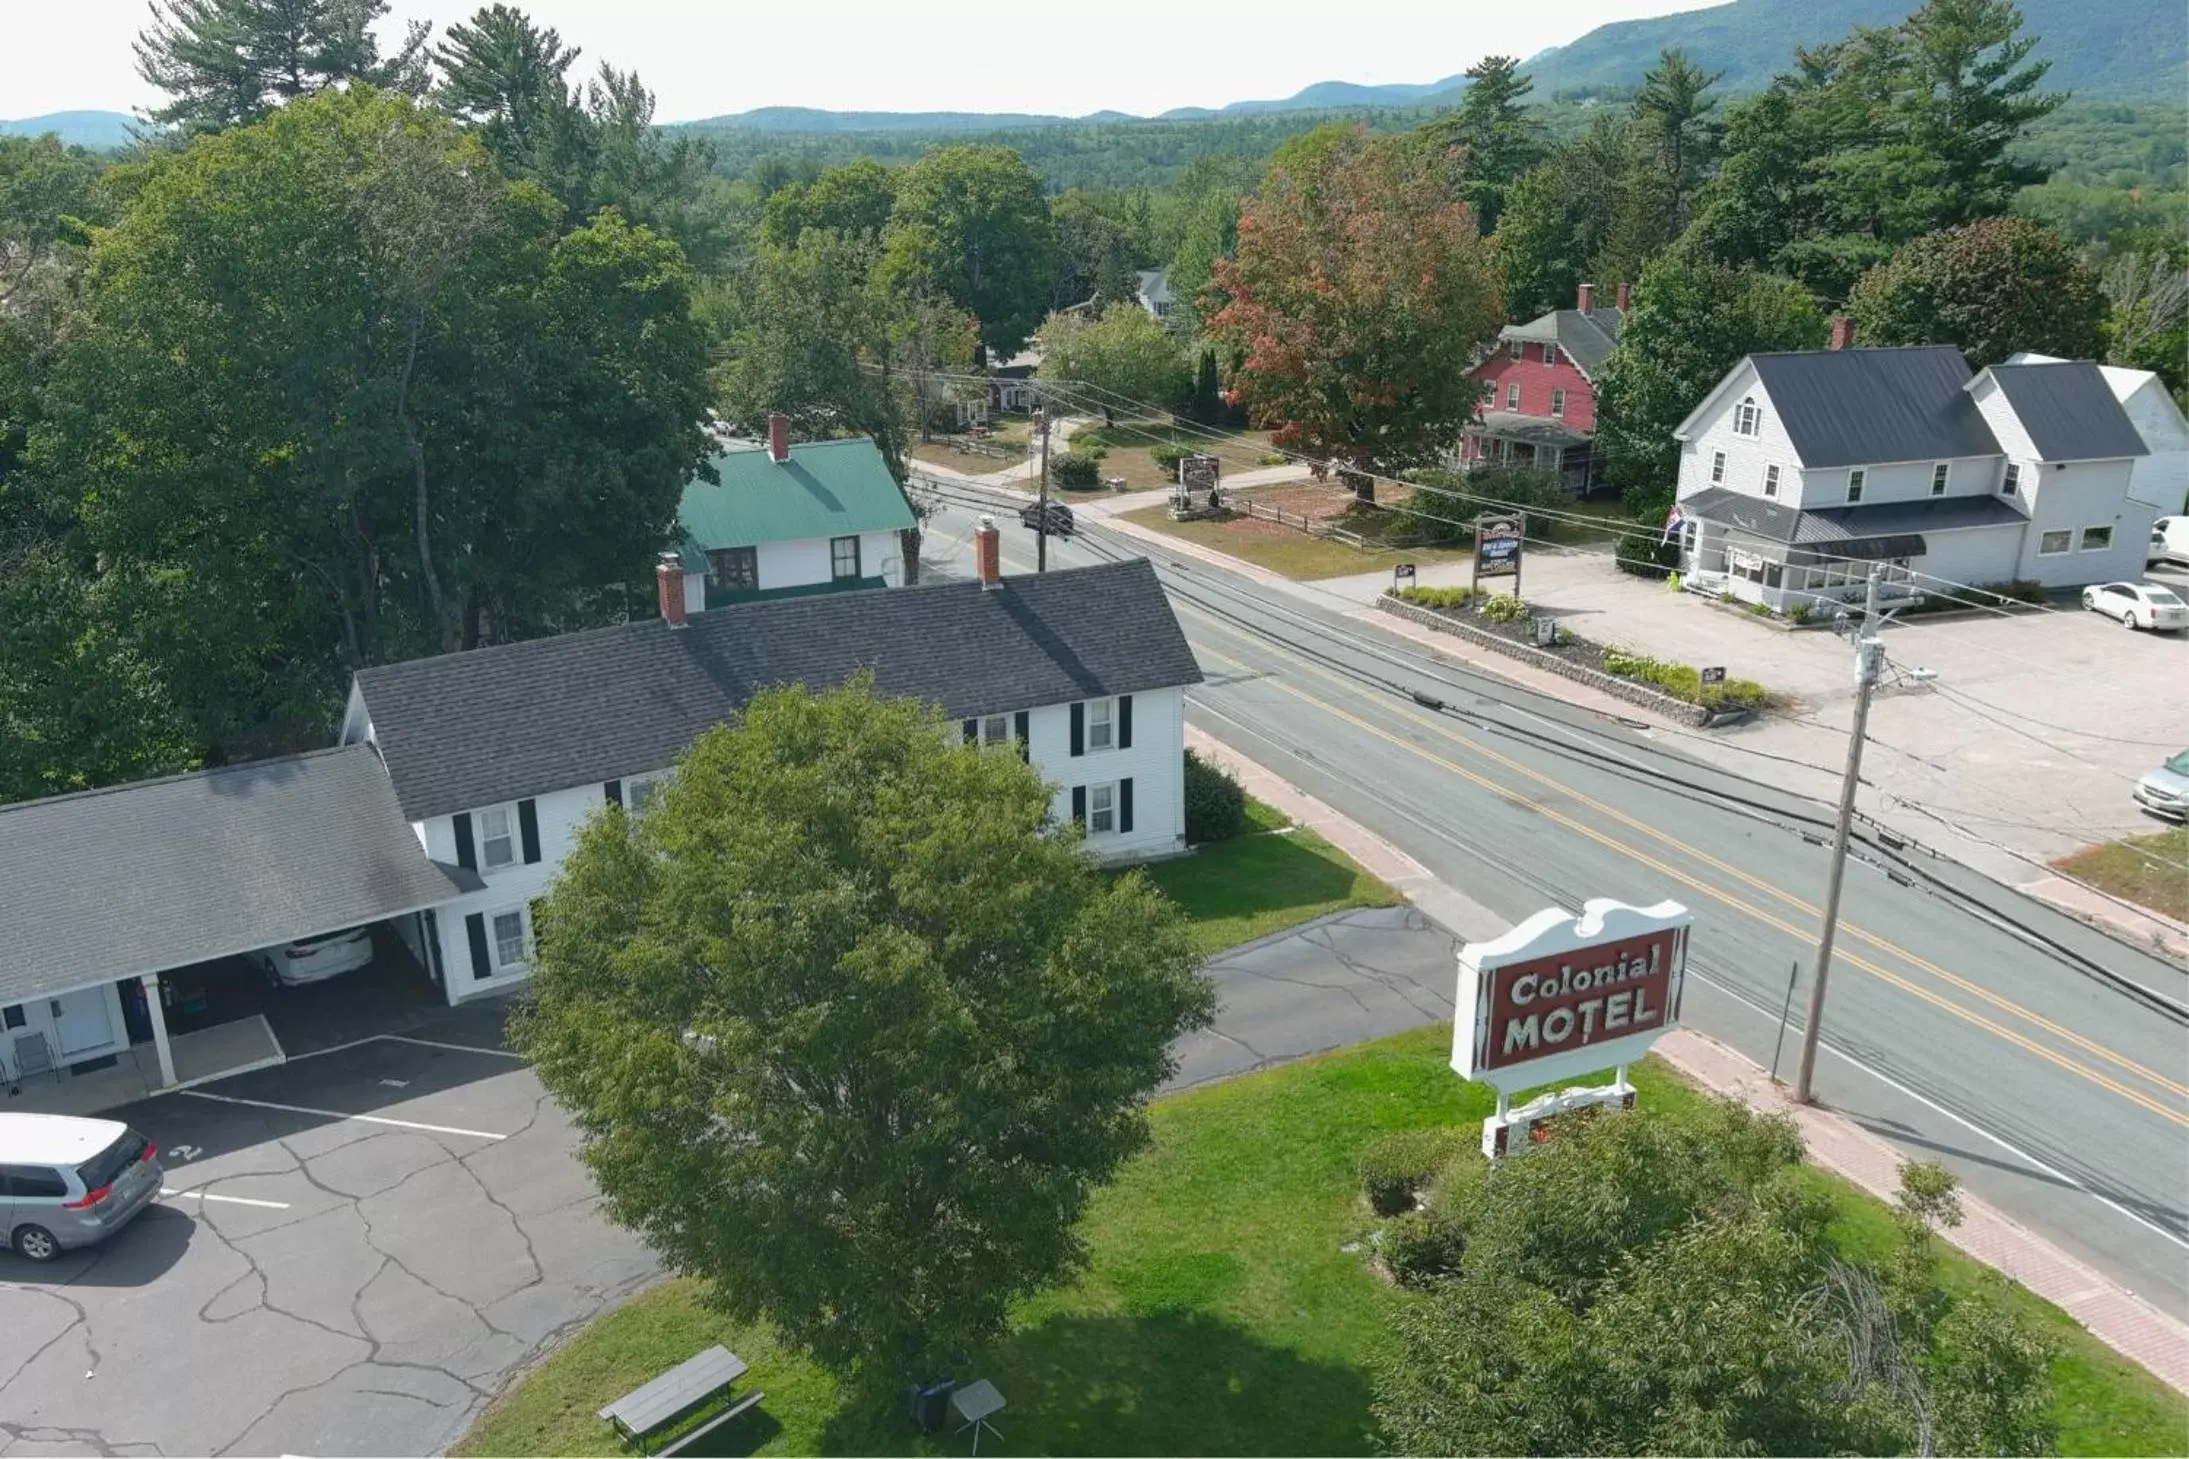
[[2121, 1320]]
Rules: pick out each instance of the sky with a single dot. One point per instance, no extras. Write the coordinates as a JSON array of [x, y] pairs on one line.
[[705, 58]]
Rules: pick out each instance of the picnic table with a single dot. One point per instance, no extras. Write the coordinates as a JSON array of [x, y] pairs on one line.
[[690, 1384]]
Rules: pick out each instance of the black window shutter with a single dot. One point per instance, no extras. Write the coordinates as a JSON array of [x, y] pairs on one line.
[[1124, 721], [475, 929], [465, 856], [1124, 805], [1079, 804], [972, 730], [1022, 727], [528, 829], [1079, 729], [612, 792]]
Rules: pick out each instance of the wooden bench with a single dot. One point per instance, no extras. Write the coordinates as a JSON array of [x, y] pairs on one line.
[[691, 1384]]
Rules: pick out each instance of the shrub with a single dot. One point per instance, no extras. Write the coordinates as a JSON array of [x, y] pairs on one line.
[[1216, 804], [1422, 1247], [1740, 694], [1760, 610], [1274, 458], [1800, 613], [1505, 608], [1646, 555], [1397, 1166], [1076, 470], [2020, 590], [1168, 456], [1444, 600]]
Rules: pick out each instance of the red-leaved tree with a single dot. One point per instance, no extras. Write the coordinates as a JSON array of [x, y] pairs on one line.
[[1357, 299]]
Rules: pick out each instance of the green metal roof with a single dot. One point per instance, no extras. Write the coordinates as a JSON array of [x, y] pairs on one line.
[[826, 489]]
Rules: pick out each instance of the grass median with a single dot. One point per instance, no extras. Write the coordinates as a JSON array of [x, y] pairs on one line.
[[1274, 876], [2146, 870], [1288, 551]]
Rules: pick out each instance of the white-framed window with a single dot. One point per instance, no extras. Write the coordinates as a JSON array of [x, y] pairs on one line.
[[2052, 544], [1558, 402], [2097, 539], [843, 558], [995, 729], [1939, 474], [1770, 481], [1550, 354], [1101, 809], [1855, 478], [509, 934], [1717, 467], [1516, 349], [2011, 480], [497, 837], [1512, 397], [1101, 723], [1748, 417], [637, 791]]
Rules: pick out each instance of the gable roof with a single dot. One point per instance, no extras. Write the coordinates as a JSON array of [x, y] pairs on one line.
[[497, 724], [1863, 407], [1781, 523], [138, 878], [2068, 408], [826, 489], [1588, 339]]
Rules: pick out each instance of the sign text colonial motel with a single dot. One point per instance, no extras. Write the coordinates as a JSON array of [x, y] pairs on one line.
[[1561, 996]]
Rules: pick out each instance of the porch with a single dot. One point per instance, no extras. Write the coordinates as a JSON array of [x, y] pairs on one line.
[[1542, 443], [134, 1072]]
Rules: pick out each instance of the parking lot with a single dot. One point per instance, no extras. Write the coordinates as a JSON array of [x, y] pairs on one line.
[[351, 1253]]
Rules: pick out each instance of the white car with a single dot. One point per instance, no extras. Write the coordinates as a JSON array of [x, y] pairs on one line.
[[316, 959], [2170, 541], [2138, 605]]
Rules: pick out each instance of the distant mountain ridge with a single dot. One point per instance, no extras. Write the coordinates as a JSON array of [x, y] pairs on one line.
[[95, 129]]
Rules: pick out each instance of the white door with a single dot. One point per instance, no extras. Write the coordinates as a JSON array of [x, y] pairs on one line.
[[82, 1022]]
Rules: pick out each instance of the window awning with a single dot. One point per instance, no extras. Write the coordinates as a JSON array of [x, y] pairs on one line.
[[1856, 549]]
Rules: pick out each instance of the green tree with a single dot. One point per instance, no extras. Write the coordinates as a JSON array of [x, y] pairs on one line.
[[1679, 140], [1693, 319], [1211, 233], [226, 62], [972, 224], [506, 76], [1991, 288], [1102, 240], [1491, 130], [1125, 351], [851, 1029], [1357, 300], [854, 198], [1559, 221], [2147, 293]]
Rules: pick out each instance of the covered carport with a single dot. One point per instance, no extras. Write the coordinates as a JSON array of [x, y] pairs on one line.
[[104, 892]]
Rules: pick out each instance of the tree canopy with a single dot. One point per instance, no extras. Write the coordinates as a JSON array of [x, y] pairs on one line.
[[226, 62], [972, 224], [1495, 138], [1125, 351], [1991, 287], [851, 1029]]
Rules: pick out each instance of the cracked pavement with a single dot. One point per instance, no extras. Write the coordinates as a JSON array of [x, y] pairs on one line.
[[355, 1274]]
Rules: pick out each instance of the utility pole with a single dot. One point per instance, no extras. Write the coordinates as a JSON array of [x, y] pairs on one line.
[[1869, 651], [1041, 533]]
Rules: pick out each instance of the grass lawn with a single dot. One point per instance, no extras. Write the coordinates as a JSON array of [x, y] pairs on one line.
[[1268, 879], [1130, 442], [1286, 551], [1218, 1315], [2147, 870]]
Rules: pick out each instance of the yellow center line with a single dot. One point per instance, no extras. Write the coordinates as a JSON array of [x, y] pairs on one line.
[[2006, 1005], [1730, 899]]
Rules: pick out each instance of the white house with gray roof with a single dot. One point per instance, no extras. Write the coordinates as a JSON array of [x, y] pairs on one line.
[[1799, 472]]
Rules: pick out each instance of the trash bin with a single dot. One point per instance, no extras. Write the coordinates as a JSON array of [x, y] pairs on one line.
[[929, 1406]]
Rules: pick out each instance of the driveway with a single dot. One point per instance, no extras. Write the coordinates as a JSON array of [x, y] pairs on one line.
[[354, 1251]]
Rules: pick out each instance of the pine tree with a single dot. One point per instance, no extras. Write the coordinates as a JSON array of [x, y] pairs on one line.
[[227, 62], [1492, 134]]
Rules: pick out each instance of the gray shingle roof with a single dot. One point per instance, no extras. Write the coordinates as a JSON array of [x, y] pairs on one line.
[[1782, 523], [498, 724], [2069, 410], [106, 884], [1869, 407], [1587, 338]]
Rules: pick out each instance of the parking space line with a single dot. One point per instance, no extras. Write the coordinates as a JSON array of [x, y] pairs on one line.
[[336, 1114], [404, 1038], [231, 1200]]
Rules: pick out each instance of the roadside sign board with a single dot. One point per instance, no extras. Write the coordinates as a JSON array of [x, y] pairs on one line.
[[1402, 573], [1713, 675], [1561, 996], [1497, 547], [1199, 473]]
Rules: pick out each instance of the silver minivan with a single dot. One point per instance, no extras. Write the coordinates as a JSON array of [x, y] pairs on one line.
[[67, 1182]]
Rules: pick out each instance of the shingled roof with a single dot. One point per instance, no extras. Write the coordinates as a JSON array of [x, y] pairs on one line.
[[1586, 338], [1870, 407], [499, 724], [2069, 410]]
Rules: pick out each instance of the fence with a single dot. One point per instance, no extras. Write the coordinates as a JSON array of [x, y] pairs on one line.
[[1299, 521]]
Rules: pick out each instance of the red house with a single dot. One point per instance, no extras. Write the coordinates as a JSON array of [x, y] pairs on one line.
[[1540, 406]]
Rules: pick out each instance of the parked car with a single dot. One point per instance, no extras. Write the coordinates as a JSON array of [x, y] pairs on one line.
[[2165, 791], [1060, 519], [67, 1182], [2170, 541], [316, 959], [2138, 605]]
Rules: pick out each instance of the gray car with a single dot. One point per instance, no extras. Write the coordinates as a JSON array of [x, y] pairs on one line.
[[68, 1182], [2165, 791]]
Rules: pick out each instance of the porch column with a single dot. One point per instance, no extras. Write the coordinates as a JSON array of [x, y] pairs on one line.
[[158, 1015]]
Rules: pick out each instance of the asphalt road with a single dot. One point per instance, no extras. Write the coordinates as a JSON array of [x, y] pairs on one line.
[[2046, 1064]]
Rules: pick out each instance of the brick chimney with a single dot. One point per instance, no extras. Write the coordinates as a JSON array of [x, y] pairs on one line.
[[669, 586], [1843, 332], [1587, 302], [1626, 297], [778, 437], [988, 553]]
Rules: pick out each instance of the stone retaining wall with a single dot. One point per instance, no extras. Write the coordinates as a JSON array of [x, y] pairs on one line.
[[1627, 689]]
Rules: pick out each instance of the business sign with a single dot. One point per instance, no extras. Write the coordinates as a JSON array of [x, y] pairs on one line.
[[1713, 675], [1560, 996], [1198, 473], [1402, 573], [1497, 547]]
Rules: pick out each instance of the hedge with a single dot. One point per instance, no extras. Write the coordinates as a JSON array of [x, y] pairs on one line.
[[1396, 1167], [1216, 804]]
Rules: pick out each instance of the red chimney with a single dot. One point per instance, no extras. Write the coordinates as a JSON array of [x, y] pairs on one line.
[[669, 585], [1587, 304], [988, 553], [778, 437], [1626, 297], [1843, 332]]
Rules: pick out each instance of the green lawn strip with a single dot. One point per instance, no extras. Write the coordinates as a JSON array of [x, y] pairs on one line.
[[2146, 870], [1264, 881], [1218, 1313], [1292, 555]]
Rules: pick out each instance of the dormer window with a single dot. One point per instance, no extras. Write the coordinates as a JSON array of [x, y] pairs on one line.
[[1939, 473], [1517, 348], [1748, 417], [1550, 354]]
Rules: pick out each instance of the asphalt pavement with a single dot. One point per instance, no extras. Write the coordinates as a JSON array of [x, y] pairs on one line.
[[2046, 1063]]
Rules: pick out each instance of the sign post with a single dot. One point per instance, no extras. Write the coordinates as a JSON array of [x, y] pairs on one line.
[[1497, 549], [1402, 576], [1561, 996]]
